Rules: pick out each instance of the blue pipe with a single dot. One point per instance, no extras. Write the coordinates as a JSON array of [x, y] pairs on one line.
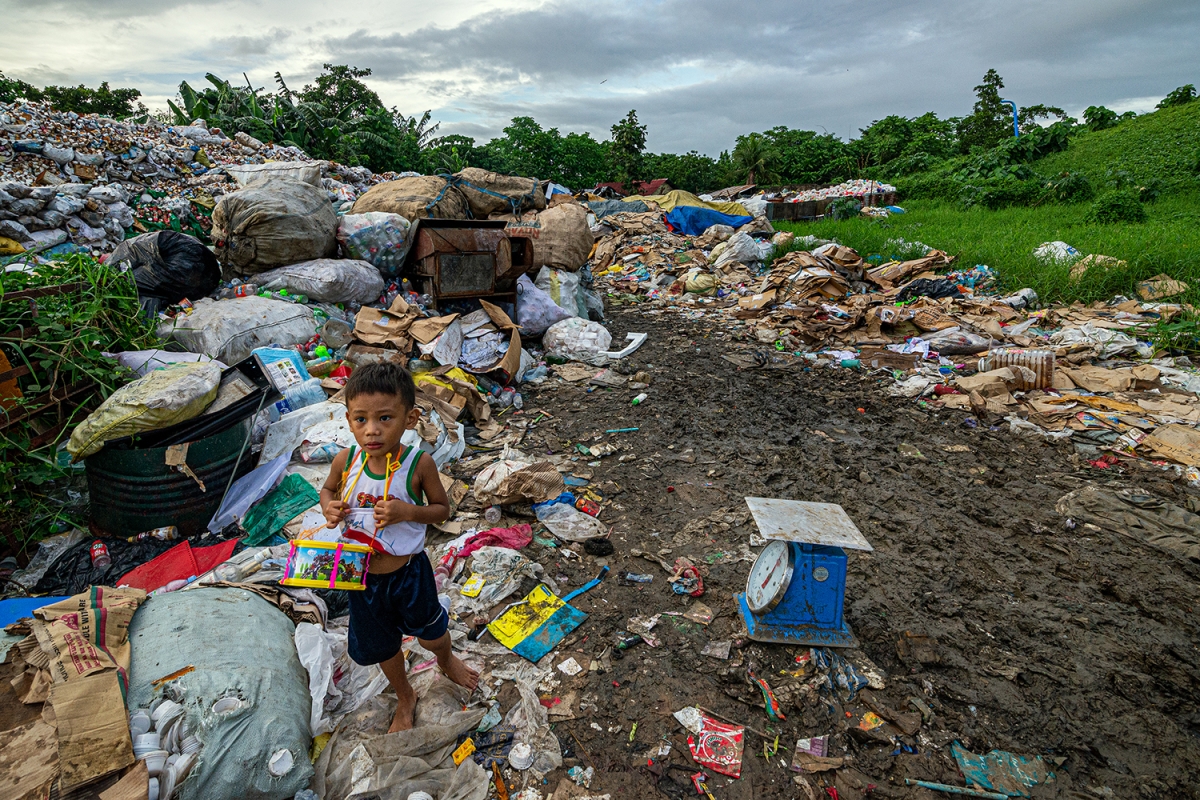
[[1016, 131]]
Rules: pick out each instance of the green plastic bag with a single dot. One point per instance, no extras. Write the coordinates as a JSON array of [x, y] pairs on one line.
[[291, 497]]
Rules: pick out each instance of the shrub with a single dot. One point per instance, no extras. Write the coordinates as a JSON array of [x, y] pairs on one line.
[[936, 185], [1070, 187], [1118, 205], [1002, 193]]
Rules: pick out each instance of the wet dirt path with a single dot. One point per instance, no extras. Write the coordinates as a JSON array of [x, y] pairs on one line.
[[1077, 645]]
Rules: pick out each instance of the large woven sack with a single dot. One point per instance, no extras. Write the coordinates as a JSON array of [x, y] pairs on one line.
[[480, 187], [414, 198], [272, 224], [565, 240], [246, 174]]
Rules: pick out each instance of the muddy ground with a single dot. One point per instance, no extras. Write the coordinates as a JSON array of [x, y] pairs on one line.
[[1075, 645]]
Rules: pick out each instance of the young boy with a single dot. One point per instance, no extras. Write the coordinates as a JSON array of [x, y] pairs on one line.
[[387, 493]]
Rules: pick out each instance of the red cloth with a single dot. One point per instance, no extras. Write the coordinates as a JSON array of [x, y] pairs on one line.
[[515, 538], [179, 563]]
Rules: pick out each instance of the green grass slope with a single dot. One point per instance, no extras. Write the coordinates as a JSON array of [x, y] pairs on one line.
[[1164, 145]]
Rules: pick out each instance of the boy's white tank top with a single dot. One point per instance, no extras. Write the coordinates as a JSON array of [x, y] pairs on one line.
[[362, 489]]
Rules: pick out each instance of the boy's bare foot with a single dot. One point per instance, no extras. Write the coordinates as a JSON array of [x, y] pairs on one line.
[[406, 704], [460, 673]]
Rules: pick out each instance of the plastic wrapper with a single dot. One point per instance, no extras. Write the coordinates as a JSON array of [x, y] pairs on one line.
[[537, 310], [1107, 342], [739, 249], [338, 686], [248, 490], [142, 362], [563, 288], [504, 570], [167, 267], [578, 340], [569, 524]]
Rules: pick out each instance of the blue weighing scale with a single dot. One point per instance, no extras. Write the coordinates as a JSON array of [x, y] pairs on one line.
[[796, 589]]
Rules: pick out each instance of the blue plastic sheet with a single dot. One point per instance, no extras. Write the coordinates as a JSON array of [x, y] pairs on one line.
[[695, 220], [1003, 772]]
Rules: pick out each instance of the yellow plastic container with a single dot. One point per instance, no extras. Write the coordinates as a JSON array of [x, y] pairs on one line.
[[327, 565]]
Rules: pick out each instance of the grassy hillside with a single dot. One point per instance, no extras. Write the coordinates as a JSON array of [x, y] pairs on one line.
[[1164, 145], [1168, 242]]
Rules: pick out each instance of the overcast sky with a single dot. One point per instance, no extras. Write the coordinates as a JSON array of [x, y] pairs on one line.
[[699, 72]]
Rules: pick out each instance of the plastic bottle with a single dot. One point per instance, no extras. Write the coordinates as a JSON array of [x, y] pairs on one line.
[[304, 394], [537, 372], [518, 401], [1040, 361], [100, 557], [240, 290], [488, 385], [492, 514], [641, 398], [165, 534], [284, 294]]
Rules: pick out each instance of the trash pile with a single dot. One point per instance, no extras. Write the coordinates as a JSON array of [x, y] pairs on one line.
[[82, 183], [228, 431], [945, 336], [859, 188]]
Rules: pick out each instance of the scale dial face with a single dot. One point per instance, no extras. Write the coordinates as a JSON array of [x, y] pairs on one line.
[[769, 577]]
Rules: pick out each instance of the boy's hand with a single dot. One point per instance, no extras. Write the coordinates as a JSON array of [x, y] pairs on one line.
[[335, 512], [389, 512]]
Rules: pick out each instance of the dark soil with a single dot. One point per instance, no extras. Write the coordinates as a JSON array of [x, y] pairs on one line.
[[1071, 644]]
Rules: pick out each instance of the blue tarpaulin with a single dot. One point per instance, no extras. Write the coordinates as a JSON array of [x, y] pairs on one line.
[[694, 220]]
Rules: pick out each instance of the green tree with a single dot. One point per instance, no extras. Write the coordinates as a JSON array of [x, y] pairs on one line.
[[625, 152], [13, 89], [524, 149], [691, 171], [1097, 118], [1028, 116], [1181, 96], [340, 90], [115, 103], [802, 157], [990, 122], [337, 117], [582, 162], [450, 154], [755, 159]]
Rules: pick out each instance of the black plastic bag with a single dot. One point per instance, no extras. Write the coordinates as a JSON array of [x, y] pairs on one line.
[[72, 572], [168, 267], [924, 287]]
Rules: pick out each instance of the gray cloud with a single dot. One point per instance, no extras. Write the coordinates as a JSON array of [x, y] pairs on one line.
[[251, 45], [701, 71]]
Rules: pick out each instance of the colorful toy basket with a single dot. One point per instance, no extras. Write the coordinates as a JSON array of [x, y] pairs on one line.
[[327, 565]]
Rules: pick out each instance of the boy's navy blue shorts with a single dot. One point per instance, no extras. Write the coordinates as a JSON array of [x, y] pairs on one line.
[[395, 605]]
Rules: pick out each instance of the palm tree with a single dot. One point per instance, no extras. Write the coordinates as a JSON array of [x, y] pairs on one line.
[[755, 158], [419, 129]]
